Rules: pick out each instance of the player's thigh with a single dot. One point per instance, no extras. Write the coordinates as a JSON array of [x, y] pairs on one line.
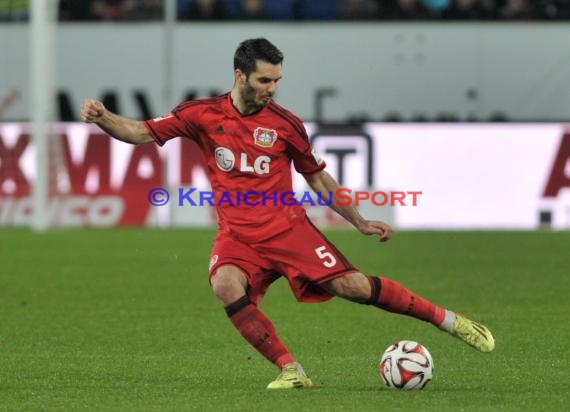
[[236, 267], [353, 286], [229, 274], [307, 258], [308, 253]]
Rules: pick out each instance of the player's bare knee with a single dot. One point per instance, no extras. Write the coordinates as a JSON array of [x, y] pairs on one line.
[[227, 290], [354, 287], [229, 284]]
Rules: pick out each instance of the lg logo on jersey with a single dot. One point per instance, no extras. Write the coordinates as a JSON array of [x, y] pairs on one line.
[[226, 161]]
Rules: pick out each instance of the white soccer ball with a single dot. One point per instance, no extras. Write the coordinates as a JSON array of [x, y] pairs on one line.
[[406, 365]]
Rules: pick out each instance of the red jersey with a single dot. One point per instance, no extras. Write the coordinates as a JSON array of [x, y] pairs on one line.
[[248, 161]]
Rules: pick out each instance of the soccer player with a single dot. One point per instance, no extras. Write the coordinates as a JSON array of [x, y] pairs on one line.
[[249, 142]]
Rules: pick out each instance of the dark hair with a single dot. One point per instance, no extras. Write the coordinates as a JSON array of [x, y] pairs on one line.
[[255, 49]]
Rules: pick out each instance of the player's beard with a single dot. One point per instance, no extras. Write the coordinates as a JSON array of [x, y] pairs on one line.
[[251, 100]]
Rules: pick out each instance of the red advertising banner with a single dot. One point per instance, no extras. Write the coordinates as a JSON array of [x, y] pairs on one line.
[[470, 176], [93, 180]]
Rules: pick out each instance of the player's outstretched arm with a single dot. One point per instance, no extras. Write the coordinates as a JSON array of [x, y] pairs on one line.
[[323, 183], [121, 128]]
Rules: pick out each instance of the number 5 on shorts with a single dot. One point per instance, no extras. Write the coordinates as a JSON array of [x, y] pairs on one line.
[[328, 259]]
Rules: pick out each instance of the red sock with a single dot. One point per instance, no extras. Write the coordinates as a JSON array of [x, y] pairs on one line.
[[258, 330], [393, 297]]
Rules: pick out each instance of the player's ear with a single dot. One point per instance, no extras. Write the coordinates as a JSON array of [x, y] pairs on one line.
[[239, 77]]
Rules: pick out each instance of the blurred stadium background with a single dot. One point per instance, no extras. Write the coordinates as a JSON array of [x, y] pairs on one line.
[[467, 101], [463, 100]]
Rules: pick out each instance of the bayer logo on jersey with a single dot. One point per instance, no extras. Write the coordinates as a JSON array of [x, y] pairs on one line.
[[225, 159]]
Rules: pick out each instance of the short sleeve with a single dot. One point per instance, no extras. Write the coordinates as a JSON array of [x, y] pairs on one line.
[[181, 122], [305, 158]]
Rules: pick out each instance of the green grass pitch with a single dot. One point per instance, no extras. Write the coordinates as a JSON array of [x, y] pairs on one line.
[[125, 320]]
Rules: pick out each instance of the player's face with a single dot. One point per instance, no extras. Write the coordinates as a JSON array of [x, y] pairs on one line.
[[258, 90]]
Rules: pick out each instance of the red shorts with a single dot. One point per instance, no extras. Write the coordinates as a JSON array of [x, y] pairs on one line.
[[302, 254]]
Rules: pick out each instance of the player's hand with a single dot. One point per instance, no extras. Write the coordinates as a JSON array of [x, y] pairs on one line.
[[92, 110], [376, 227]]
